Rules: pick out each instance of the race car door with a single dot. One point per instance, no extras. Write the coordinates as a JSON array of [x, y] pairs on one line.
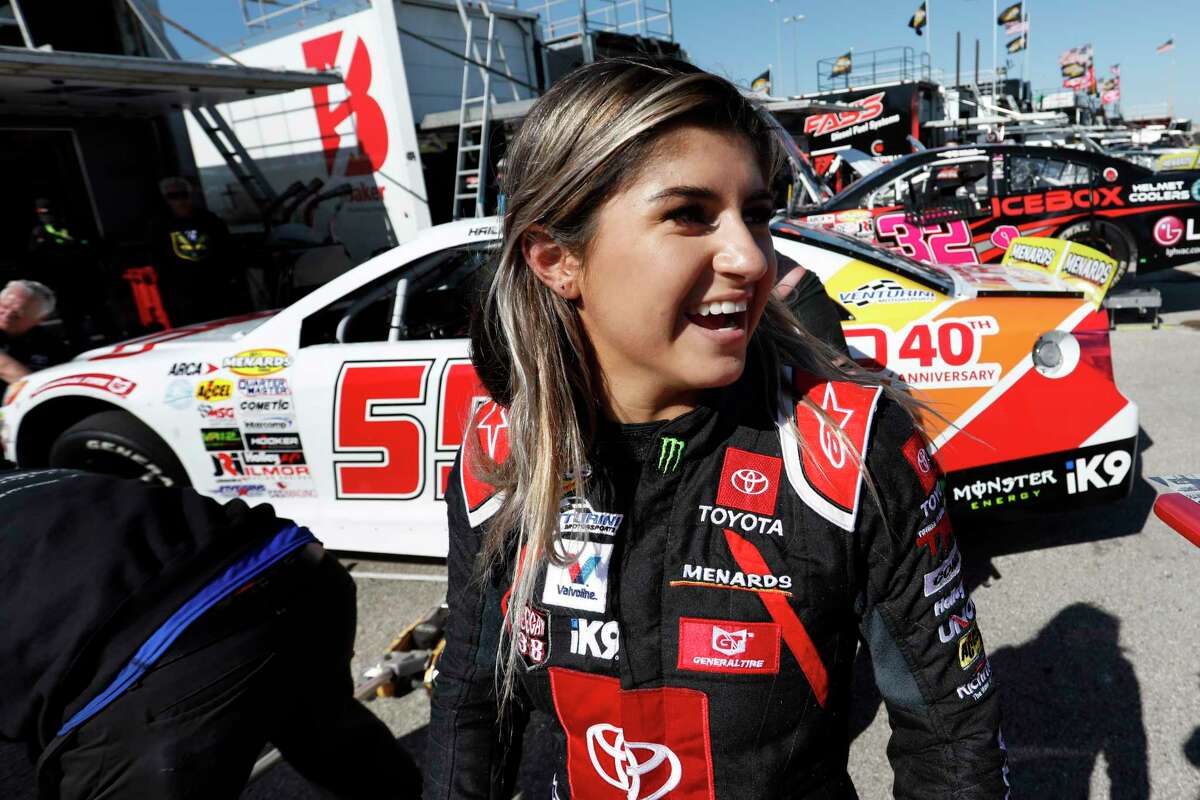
[[384, 391], [937, 202]]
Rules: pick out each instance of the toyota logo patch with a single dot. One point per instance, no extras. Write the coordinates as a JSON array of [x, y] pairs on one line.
[[749, 481]]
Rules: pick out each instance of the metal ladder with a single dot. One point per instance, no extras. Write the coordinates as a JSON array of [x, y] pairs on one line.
[[475, 115], [215, 127]]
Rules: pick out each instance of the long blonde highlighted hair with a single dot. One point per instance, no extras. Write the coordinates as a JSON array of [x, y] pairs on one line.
[[582, 142]]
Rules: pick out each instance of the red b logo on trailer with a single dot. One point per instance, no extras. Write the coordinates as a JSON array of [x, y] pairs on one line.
[[370, 125]]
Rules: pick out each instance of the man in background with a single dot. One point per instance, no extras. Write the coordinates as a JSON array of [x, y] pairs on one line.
[[199, 277], [25, 346]]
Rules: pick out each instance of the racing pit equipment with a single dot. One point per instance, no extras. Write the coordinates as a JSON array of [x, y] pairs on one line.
[[1179, 504], [700, 643]]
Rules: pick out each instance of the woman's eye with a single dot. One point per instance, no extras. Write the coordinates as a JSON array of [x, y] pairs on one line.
[[689, 215], [758, 216]]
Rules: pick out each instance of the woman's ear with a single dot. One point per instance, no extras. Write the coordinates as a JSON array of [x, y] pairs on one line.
[[553, 264]]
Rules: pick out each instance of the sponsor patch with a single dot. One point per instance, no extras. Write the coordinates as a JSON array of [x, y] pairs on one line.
[[240, 490], [937, 535], [110, 384], [258, 362], [221, 438], [749, 481], [884, 291], [265, 406], [1100, 471], [970, 647], [917, 454], [595, 638], [736, 648], [1092, 270], [576, 516], [1168, 231], [1160, 192], [939, 578], [263, 387], [948, 602], [178, 394], [257, 457], [216, 415], [979, 685], [191, 369], [957, 624], [214, 390], [582, 584], [273, 441], [720, 578], [277, 423], [533, 637], [643, 744]]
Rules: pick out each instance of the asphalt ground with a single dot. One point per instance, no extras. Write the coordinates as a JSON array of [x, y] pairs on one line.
[[1091, 618]]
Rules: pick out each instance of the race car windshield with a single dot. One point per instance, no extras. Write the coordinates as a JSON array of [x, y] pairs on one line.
[[867, 183], [840, 242]]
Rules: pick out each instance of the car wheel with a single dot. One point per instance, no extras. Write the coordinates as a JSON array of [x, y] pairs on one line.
[[116, 443], [1109, 239]]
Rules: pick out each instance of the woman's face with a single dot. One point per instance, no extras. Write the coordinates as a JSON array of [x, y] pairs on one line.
[[678, 273]]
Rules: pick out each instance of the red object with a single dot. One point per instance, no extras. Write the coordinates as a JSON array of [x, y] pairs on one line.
[[795, 635], [633, 744], [749, 481], [737, 648], [1180, 512], [143, 282]]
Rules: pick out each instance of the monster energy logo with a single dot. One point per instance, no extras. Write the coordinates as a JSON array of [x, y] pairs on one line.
[[670, 451]]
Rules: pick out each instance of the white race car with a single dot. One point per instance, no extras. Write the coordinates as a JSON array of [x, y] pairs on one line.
[[346, 409]]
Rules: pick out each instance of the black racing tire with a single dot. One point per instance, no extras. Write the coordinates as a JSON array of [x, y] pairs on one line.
[[116, 443], [1110, 239]]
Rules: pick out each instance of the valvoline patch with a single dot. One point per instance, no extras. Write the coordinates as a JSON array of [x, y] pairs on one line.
[[633, 745], [749, 481]]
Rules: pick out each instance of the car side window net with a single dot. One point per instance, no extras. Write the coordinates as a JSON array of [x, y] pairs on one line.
[[429, 298], [1031, 174]]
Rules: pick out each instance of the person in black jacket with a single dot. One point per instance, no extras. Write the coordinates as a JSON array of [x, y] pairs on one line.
[[680, 513], [153, 640], [200, 277]]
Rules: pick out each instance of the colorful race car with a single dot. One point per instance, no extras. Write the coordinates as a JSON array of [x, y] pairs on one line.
[[345, 409], [963, 205]]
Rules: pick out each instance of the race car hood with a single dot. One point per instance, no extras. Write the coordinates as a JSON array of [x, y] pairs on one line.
[[221, 330]]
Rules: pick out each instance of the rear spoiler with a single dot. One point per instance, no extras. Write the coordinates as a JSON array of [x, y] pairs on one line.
[[1079, 266]]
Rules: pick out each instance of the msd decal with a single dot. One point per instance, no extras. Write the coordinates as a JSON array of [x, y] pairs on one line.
[[736, 648], [369, 123], [583, 583], [869, 108], [644, 744]]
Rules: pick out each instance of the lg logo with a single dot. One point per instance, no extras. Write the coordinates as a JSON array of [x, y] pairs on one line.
[[618, 763], [750, 481], [1168, 231]]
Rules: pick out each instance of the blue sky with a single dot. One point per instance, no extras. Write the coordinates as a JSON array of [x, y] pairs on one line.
[[738, 38]]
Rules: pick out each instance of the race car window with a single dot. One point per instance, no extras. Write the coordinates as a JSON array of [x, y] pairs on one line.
[[433, 293], [940, 184], [1035, 174]]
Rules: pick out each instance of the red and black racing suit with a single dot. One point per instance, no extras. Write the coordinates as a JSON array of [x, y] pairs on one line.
[[701, 646]]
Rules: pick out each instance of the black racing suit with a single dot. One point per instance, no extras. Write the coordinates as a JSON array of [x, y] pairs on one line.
[[701, 645]]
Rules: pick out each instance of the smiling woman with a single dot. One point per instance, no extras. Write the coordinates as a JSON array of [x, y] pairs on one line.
[[658, 531]]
